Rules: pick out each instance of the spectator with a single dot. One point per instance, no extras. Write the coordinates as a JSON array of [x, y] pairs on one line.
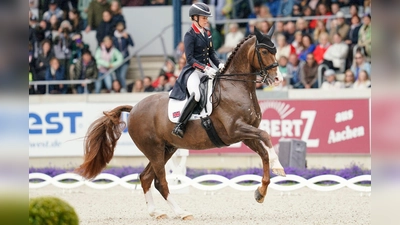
[[83, 7], [147, 84], [353, 12], [302, 25], [65, 25], [364, 35], [42, 31], [31, 88], [54, 27], [162, 84], [179, 67], [363, 81], [348, 79], [321, 48], [297, 42], [56, 72], [263, 26], [330, 83], [283, 62], [322, 10], [138, 86], [53, 10], [308, 47], [335, 56], [76, 21], [339, 26], [107, 57], [95, 13], [116, 13], [283, 48], [307, 11], [309, 72], [254, 15], [116, 87], [221, 11], [290, 32], [313, 4], [335, 8], [42, 64], [85, 69], [77, 47], [352, 38], [62, 48], [296, 11], [180, 50], [320, 29], [250, 27], [359, 64], [168, 71], [105, 27], [285, 8], [293, 71], [274, 6], [265, 13], [171, 83], [122, 40], [232, 38]]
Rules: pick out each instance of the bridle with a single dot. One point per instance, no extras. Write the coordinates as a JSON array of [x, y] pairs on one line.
[[263, 72]]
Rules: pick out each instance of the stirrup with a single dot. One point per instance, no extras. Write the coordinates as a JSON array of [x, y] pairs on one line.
[[178, 130]]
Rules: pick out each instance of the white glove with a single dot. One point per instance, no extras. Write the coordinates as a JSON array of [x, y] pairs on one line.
[[221, 66], [210, 72]]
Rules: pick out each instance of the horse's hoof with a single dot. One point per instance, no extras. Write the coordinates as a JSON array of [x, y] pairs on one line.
[[258, 196], [161, 217], [188, 217], [279, 172]]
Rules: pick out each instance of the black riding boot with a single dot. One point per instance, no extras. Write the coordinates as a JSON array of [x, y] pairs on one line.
[[187, 111]]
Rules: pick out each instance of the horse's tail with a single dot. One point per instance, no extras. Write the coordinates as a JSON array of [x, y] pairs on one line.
[[100, 141]]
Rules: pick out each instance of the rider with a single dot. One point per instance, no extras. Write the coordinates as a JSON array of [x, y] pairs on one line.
[[199, 51]]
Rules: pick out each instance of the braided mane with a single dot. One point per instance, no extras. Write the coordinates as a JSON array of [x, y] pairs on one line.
[[228, 62]]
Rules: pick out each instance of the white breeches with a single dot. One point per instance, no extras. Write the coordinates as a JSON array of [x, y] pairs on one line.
[[193, 84]]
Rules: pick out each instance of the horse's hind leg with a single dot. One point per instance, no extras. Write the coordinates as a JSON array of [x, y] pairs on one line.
[[161, 185], [146, 177], [256, 146]]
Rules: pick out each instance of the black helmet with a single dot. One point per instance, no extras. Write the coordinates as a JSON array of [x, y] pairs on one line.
[[199, 9]]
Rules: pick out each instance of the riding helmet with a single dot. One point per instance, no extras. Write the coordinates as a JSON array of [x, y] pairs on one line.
[[199, 9]]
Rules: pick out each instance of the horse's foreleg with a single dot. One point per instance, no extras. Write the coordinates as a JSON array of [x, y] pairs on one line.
[[256, 146], [146, 177], [247, 131]]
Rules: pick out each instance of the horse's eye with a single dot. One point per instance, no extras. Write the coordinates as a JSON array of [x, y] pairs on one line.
[[264, 52]]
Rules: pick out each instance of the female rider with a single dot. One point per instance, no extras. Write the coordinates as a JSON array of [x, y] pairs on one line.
[[199, 51]]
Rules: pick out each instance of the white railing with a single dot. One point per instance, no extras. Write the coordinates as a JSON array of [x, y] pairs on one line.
[[222, 182]]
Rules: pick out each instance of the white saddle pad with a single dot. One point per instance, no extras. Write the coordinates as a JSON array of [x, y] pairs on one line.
[[175, 107]]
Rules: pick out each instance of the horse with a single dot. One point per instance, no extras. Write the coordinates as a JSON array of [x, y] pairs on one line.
[[236, 116]]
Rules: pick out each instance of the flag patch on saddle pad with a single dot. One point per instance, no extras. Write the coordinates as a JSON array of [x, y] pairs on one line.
[[176, 114]]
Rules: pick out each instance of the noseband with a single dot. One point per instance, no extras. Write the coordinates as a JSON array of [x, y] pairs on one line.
[[264, 69]]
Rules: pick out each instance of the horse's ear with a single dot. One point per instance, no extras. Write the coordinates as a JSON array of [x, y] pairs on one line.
[[271, 31], [259, 35]]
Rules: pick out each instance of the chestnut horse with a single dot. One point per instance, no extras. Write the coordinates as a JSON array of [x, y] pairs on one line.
[[236, 117]]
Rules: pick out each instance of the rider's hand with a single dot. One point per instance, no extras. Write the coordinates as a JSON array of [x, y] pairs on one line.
[[221, 66], [210, 72]]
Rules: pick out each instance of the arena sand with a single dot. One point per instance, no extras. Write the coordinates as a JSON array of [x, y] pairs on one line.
[[120, 206]]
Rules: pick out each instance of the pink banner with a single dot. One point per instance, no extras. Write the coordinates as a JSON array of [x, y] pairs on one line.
[[327, 126]]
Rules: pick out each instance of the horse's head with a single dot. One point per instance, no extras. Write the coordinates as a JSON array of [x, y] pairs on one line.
[[265, 61]]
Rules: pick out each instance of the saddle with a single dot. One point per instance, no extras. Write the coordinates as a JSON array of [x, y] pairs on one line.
[[203, 108]]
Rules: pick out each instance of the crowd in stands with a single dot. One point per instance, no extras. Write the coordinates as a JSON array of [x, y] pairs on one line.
[[338, 47]]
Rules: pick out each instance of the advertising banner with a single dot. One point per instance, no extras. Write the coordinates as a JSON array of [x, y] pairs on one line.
[[327, 126], [59, 129]]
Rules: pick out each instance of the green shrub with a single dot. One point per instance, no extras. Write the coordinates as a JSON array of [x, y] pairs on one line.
[[51, 211]]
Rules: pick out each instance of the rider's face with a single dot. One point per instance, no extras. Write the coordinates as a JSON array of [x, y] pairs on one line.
[[203, 21]]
